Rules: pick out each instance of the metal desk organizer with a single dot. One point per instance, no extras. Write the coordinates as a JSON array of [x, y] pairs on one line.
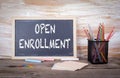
[[98, 52]]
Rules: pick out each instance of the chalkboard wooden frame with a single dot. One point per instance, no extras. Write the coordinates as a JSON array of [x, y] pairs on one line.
[[36, 18]]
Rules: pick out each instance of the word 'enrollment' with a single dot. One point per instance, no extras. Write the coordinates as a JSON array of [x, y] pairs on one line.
[[46, 43]]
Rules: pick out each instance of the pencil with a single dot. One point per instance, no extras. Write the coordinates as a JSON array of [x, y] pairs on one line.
[[98, 34], [103, 56], [91, 33], [86, 32], [103, 32], [110, 34]]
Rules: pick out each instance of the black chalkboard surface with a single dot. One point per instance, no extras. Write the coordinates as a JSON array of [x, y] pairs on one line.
[[44, 37]]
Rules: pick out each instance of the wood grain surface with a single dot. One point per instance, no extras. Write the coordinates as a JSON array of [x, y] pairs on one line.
[[90, 12]]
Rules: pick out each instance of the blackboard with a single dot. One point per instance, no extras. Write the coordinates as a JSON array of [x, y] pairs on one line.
[[44, 37]]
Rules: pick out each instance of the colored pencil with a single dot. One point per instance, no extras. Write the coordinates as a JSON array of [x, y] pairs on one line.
[[110, 34]]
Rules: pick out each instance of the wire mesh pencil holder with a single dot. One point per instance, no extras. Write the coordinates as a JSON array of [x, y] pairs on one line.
[[98, 52]]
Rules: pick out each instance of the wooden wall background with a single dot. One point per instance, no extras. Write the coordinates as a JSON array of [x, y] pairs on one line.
[[90, 12]]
